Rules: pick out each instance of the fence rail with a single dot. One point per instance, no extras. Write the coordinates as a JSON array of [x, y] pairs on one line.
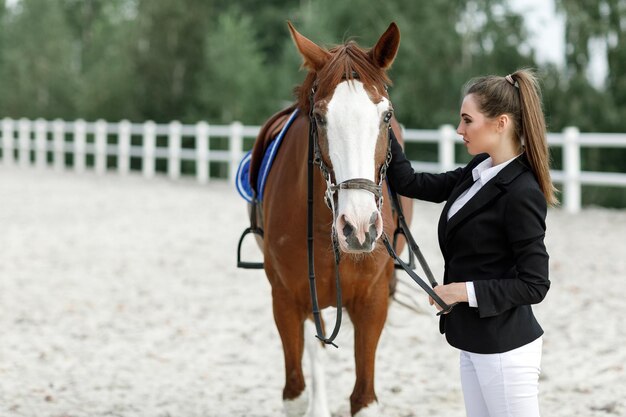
[[43, 142]]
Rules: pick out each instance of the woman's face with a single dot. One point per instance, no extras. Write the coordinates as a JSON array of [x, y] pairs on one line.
[[478, 131]]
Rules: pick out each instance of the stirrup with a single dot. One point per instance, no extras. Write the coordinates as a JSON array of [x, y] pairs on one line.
[[411, 261], [248, 265]]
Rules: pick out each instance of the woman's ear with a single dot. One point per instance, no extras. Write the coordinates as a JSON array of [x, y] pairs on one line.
[[503, 122]]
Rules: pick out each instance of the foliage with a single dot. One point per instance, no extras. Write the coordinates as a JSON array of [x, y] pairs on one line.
[[219, 60], [590, 24], [168, 56], [104, 29], [215, 59], [594, 24], [234, 77], [38, 65]]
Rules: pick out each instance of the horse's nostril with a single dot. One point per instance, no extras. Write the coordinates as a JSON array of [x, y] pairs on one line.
[[375, 222], [348, 230], [359, 237], [373, 233]]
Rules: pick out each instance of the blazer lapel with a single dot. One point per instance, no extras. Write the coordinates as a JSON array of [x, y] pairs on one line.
[[485, 195], [488, 193], [443, 220]]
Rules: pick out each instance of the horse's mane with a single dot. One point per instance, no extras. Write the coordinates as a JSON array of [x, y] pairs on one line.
[[346, 61]]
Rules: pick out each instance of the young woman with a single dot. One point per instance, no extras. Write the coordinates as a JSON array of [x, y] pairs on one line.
[[491, 234]]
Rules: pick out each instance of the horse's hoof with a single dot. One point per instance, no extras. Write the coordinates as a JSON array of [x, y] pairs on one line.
[[371, 410], [296, 407]]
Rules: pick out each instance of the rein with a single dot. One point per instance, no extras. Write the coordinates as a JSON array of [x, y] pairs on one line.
[[404, 228], [315, 158]]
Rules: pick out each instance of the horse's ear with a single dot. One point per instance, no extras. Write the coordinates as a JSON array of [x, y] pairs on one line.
[[315, 57], [384, 52]]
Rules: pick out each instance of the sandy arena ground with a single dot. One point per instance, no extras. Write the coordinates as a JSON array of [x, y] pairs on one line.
[[120, 297]]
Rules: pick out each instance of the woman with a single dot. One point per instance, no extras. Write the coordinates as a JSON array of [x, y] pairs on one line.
[[491, 235]]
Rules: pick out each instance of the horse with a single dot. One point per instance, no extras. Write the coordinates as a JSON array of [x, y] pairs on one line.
[[345, 95]]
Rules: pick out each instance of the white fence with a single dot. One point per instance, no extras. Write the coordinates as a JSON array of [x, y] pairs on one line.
[[42, 142]]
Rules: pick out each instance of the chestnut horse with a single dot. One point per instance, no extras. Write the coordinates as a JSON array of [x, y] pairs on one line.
[[347, 87]]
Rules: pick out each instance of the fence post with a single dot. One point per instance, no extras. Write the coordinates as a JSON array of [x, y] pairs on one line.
[[101, 147], [58, 138], [8, 142], [173, 142], [571, 166], [236, 150], [123, 147], [446, 148], [149, 142], [202, 152], [24, 129], [40, 143], [80, 132]]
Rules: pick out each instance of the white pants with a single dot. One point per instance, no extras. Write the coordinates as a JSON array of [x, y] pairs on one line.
[[502, 384]]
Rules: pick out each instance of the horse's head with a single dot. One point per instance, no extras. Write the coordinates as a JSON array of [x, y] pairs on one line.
[[347, 89]]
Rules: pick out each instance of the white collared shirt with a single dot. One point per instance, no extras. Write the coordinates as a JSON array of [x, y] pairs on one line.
[[482, 173]]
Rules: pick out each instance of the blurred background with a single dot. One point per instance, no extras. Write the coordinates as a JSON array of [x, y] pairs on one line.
[[121, 297], [222, 61]]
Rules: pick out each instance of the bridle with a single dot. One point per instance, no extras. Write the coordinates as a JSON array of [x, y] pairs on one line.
[[315, 158], [353, 183]]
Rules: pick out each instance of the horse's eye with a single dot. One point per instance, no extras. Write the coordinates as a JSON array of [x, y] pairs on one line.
[[388, 116]]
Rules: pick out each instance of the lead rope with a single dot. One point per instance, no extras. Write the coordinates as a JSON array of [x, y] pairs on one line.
[[404, 227], [446, 308], [397, 205]]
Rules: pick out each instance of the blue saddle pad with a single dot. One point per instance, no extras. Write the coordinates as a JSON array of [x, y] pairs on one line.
[[243, 172]]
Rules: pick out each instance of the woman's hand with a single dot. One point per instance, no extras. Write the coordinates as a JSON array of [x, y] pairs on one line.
[[455, 292]]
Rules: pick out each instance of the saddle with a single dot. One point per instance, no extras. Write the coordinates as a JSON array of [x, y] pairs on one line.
[[254, 169], [255, 165]]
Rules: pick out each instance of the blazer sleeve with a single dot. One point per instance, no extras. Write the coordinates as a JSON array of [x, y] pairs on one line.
[[525, 227], [424, 186]]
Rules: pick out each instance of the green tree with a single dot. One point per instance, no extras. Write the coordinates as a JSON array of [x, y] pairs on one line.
[[3, 25], [38, 76], [589, 22], [105, 35], [236, 84], [616, 57], [269, 19], [169, 56], [589, 108], [442, 46]]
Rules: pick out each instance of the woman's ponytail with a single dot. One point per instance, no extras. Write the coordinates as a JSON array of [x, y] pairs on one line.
[[518, 95]]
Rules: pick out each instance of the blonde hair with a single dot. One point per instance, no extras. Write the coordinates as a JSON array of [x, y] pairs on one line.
[[518, 94]]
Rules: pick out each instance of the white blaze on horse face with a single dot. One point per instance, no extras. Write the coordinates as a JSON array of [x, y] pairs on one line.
[[353, 126]]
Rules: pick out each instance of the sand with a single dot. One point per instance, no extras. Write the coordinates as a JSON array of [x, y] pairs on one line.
[[119, 296]]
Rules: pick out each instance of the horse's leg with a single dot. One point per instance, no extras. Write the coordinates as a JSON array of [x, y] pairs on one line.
[[318, 401], [289, 321], [368, 317]]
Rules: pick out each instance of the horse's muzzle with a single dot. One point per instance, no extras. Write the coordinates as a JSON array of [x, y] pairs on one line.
[[359, 238]]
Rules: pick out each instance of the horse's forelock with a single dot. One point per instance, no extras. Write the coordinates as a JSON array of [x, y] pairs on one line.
[[346, 61]]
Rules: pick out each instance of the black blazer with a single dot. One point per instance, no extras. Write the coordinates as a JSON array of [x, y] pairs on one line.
[[496, 241]]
